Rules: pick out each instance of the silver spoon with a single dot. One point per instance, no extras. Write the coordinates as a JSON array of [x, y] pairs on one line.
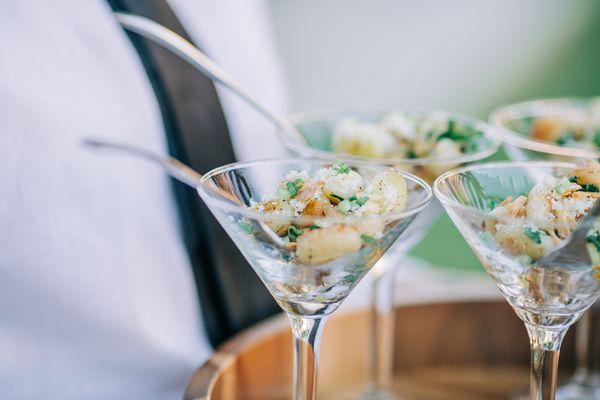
[[177, 170], [574, 251], [187, 51]]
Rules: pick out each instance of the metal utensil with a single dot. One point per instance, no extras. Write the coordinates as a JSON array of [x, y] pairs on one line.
[[574, 251], [177, 170], [187, 51]]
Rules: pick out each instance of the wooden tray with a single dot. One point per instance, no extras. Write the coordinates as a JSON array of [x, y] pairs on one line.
[[445, 351]]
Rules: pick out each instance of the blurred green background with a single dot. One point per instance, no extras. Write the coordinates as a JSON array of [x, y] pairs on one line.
[[468, 56], [576, 72]]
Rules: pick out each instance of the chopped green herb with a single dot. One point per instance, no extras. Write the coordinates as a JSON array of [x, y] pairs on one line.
[[349, 279], [341, 168], [596, 139], [368, 239], [453, 134], [595, 240], [245, 226], [294, 232], [573, 179], [362, 200], [294, 187], [533, 235], [469, 146], [493, 203], [411, 154], [335, 196], [313, 227], [565, 139], [588, 187], [564, 186], [358, 201]]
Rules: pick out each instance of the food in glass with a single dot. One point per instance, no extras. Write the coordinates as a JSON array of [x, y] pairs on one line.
[[564, 129], [551, 128], [425, 143], [312, 235], [513, 215]]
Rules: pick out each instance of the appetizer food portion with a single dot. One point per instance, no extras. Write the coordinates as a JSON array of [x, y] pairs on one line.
[[404, 136], [552, 207], [575, 128], [304, 206]]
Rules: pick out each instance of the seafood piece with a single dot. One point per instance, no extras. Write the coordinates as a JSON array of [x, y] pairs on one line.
[[518, 240], [555, 205], [371, 227], [588, 173], [361, 139], [340, 182], [313, 210], [405, 136], [319, 246], [276, 206], [444, 148], [391, 186], [549, 129], [400, 126]]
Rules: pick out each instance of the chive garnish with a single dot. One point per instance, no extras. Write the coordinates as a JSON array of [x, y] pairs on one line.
[[294, 232], [341, 168], [368, 239], [595, 240], [533, 235], [588, 187]]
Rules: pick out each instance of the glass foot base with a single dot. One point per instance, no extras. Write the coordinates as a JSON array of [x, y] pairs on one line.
[[377, 394], [576, 389], [384, 394]]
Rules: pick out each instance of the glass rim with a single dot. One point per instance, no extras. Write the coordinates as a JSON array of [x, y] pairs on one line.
[[489, 132], [213, 200], [514, 111], [450, 202]]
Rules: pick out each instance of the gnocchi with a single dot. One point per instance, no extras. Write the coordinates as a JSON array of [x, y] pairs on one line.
[[302, 207]]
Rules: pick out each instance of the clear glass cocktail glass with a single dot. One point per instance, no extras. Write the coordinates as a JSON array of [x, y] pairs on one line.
[[307, 291], [514, 122], [548, 298], [317, 129]]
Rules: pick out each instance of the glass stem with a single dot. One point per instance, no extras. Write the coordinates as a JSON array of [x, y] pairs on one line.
[[381, 335], [545, 350], [307, 333]]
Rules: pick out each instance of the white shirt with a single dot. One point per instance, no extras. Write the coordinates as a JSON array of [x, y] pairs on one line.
[[97, 299]]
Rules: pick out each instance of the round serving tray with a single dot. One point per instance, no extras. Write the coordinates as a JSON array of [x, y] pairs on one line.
[[444, 351]]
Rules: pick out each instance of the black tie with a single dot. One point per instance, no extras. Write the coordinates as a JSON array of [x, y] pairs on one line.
[[231, 295]]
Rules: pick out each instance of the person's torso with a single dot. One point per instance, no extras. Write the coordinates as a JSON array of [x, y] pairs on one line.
[[96, 295]]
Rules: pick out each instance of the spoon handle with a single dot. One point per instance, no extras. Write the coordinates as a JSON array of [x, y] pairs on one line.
[[179, 171], [172, 166], [187, 51]]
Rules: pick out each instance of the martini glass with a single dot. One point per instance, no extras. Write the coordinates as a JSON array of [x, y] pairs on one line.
[[548, 298], [309, 278], [524, 139], [317, 131], [307, 291], [516, 124]]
